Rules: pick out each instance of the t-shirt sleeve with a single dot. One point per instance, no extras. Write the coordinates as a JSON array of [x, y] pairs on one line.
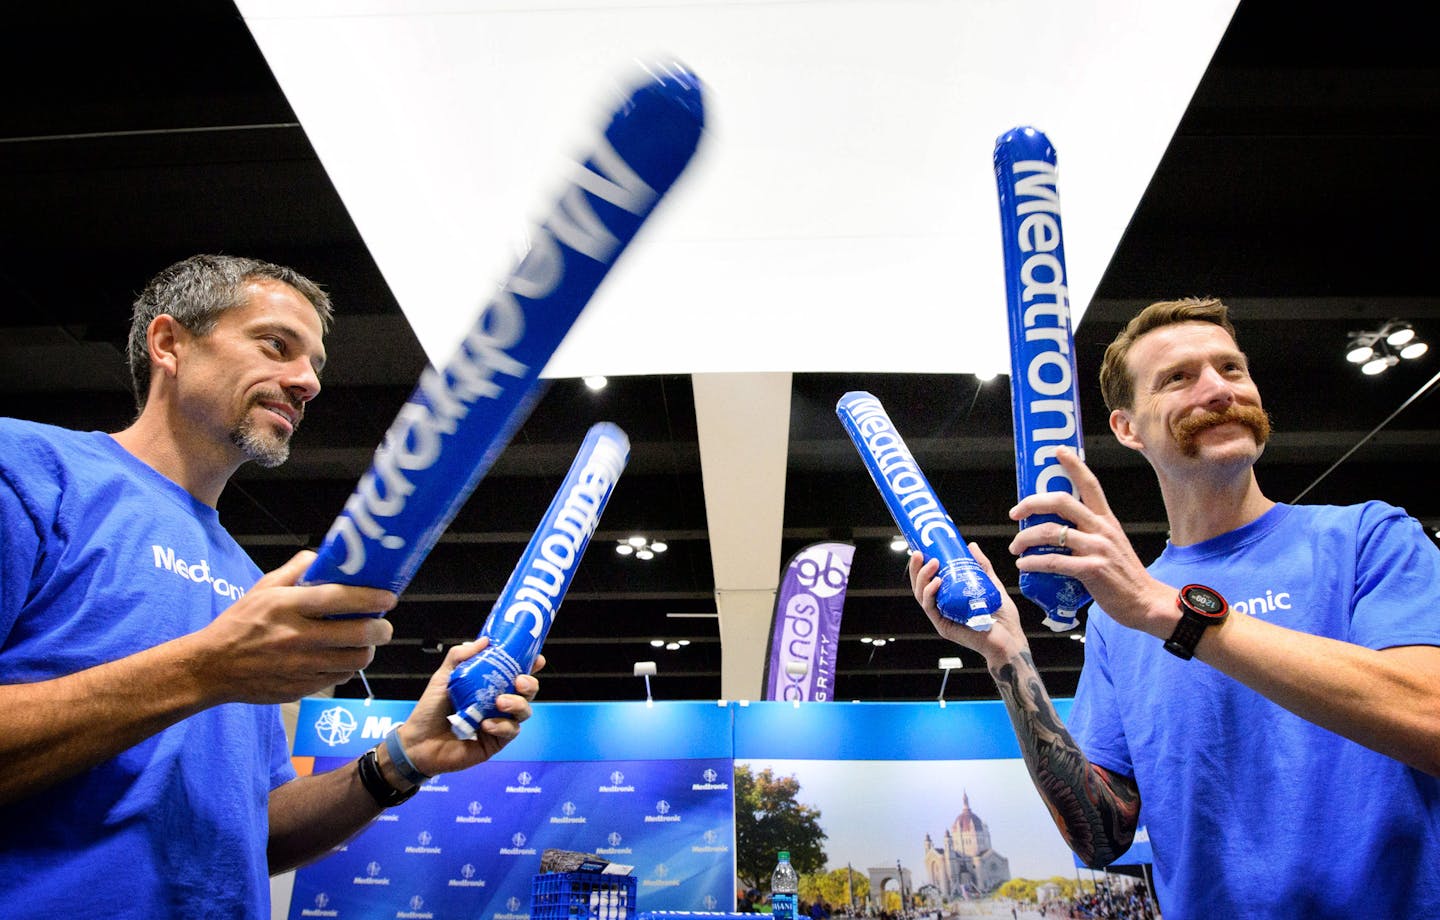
[[282, 770], [1094, 720], [1397, 581], [19, 553]]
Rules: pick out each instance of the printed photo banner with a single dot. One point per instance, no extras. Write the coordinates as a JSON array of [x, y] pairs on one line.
[[806, 625], [652, 787]]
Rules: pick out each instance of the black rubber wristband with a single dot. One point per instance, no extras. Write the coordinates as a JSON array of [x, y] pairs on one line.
[[384, 794]]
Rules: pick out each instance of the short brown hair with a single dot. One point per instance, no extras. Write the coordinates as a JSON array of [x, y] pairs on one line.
[[1116, 384]]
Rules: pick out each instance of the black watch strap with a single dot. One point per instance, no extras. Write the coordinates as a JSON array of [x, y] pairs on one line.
[[1186, 636], [1200, 608], [384, 794]]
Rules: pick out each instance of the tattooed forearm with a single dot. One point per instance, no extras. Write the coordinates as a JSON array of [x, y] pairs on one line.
[[1095, 810]]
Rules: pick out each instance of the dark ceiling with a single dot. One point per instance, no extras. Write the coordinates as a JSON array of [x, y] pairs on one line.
[[1298, 187]]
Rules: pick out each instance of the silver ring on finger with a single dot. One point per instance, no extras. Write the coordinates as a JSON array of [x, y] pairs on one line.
[[1064, 532]]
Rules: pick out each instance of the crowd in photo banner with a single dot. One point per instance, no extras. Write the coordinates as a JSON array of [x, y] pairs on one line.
[[1108, 902]]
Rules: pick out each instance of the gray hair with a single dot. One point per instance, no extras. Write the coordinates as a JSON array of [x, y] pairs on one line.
[[195, 292]]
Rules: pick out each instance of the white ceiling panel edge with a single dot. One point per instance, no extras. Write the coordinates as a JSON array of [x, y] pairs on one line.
[[841, 215]]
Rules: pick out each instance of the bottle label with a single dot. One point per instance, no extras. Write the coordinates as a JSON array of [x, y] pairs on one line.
[[782, 905]]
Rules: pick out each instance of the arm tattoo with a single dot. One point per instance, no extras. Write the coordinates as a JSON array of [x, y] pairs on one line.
[[1096, 810]]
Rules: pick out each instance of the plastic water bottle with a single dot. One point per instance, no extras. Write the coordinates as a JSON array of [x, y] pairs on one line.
[[784, 889]]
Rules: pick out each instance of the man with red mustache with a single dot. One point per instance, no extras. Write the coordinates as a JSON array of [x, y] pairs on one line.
[[142, 654], [1281, 747]]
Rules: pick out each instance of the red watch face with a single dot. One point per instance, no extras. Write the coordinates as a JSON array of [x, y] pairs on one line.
[[1203, 601]]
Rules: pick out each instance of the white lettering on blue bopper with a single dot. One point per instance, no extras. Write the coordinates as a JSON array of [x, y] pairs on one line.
[[967, 595], [462, 416], [521, 618], [1044, 391]]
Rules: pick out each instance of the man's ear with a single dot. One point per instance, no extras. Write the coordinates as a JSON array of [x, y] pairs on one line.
[[165, 338], [1123, 427]]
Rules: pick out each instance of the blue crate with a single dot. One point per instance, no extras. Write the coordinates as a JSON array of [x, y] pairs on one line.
[[582, 896]]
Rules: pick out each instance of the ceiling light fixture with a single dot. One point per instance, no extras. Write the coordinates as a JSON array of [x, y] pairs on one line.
[[640, 547], [1381, 349], [596, 382], [898, 544]]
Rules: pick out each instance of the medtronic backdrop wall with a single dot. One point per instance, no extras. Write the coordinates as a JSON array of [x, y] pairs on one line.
[[653, 787]]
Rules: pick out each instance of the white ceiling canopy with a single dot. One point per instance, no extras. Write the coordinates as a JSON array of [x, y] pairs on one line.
[[841, 214]]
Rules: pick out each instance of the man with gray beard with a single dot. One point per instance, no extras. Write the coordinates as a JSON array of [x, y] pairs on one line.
[[1281, 748], [142, 653]]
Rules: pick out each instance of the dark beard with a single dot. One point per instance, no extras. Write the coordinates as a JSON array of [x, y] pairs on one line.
[[1251, 417]]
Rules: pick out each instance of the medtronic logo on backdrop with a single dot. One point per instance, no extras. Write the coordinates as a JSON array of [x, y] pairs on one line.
[[335, 726], [711, 845], [512, 904], [372, 875], [523, 778], [424, 847], [661, 879], [474, 816], [569, 811], [467, 878], [710, 776], [517, 846], [662, 813], [345, 727], [322, 900], [415, 912], [614, 849], [617, 783]]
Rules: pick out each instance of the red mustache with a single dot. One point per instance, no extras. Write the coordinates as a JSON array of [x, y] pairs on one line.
[[1252, 417]]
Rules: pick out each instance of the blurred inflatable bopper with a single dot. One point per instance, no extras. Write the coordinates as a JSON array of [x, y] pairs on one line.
[[462, 416]]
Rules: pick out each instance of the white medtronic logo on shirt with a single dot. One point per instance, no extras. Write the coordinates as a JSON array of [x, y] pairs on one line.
[[198, 572], [1270, 602]]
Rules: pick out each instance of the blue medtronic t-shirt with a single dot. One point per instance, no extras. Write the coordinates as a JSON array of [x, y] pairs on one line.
[[103, 557], [1253, 811]]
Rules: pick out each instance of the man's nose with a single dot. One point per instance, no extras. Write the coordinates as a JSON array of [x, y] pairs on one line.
[[1214, 390], [302, 382]]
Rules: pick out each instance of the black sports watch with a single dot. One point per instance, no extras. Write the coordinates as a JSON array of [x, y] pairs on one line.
[[1200, 608], [384, 794]]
